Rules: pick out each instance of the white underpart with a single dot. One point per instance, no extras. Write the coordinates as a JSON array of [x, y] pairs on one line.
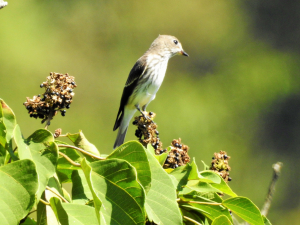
[[148, 87]]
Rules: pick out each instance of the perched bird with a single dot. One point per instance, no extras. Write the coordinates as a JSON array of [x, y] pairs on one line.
[[144, 80]]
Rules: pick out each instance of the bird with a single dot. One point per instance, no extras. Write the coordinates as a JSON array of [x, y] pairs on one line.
[[144, 80]]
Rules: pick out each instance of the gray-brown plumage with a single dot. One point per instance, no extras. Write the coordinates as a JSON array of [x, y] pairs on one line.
[[144, 80]]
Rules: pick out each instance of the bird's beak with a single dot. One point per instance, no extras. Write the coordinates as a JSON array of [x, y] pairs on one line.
[[184, 53]]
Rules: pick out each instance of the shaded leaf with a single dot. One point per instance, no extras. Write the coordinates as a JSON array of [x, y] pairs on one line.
[[245, 209], [210, 177], [201, 186], [134, 153], [81, 192], [18, 185]]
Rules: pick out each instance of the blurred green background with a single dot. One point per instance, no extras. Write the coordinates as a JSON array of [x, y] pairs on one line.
[[238, 91]]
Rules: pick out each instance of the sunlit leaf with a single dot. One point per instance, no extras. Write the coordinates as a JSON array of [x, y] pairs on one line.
[[18, 185], [245, 209]]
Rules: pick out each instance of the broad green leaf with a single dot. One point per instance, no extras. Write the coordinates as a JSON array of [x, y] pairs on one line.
[[50, 214], [40, 148], [223, 187], [210, 177], [245, 209], [134, 153], [221, 220], [201, 186], [7, 125], [62, 163], [181, 174], [18, 185], [81, 192], [161, 205], [80, 141], [73, 214], [114, 181]]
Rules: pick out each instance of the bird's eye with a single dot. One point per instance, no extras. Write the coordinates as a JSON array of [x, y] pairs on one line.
[[175, 41]]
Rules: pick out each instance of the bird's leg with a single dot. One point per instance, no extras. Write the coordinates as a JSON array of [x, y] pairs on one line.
[[143, 113]]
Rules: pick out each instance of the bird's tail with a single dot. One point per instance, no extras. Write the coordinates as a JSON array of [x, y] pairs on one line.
[[120, 138], [123, 126]]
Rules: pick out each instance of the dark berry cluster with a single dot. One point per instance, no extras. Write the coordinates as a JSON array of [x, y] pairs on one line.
[[178, 156], [57, 97], [146, 131], [220, 165]]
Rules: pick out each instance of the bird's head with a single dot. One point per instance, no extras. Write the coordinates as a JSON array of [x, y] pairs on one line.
[[167, 44]]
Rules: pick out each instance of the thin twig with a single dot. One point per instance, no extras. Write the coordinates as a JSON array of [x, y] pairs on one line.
[[69, 160], [57, 194], [81, 150], [276, 168], [191, 220], [44, 202]]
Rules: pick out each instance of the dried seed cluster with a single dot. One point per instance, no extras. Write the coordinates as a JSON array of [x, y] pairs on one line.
[[220, 165], [146, 131], [178, 156], [57, 97]]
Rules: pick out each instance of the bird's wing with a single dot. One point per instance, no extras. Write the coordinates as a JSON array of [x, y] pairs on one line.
[[136, 72]]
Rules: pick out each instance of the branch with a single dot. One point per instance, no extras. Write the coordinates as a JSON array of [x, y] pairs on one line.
[[69, 159], [57, 194], [44, 202], [277, 168], [82, 151]]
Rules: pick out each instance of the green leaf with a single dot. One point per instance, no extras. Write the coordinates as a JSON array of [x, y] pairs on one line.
[[64, 176], [161, 205], [7, 125], [73, 214], [80, 141], [181, 174], [40, 148], [81, 192], [221, 220], [114, 182], [134, 153], [223, 187], [18, 185], [245, 209]]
